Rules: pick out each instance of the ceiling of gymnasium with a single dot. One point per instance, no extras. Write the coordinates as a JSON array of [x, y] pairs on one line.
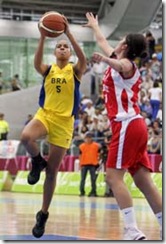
[[74, 10], [123, 15]]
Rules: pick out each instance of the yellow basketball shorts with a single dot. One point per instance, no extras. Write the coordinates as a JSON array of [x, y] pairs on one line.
[[60, 129]]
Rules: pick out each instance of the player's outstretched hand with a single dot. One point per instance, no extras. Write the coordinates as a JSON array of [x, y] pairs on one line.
[[92, 20]]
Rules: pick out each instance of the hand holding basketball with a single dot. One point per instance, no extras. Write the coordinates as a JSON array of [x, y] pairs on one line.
[[52, 24], [66, 31]]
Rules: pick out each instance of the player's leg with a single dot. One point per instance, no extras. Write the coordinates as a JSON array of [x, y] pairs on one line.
[[55, 157], [114, 178], [32, 131], [144, 182], [123, 153]]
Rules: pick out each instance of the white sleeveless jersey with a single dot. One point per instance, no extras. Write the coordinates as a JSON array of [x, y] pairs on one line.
[[121, 94]]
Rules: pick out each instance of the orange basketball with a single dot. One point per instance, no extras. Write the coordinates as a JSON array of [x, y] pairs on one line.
[[52, 24]]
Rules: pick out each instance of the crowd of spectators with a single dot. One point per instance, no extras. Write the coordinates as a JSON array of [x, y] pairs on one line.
[[13, 84]]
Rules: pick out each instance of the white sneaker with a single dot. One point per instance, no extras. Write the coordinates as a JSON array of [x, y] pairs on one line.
[[132, 233]]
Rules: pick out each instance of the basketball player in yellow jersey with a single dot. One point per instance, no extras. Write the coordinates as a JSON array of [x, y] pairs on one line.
[[58, 101]]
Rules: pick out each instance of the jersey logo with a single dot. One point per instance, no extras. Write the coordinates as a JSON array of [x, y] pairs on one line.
[[58, 81]]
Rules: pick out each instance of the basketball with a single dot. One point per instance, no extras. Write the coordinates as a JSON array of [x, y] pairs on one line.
[[52, 24]]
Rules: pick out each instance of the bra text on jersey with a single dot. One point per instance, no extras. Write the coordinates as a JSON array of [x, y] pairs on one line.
[[58, 81]]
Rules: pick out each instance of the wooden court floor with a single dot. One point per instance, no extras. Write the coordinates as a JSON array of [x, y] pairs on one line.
[[71, 218]]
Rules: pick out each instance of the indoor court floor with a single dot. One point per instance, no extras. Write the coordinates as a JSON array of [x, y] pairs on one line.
[[71, 218]]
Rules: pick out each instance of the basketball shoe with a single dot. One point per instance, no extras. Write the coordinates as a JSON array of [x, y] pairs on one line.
[[132, 233], [39, 228], [34, 174]]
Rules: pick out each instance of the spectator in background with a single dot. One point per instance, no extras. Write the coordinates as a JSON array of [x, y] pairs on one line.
[[15, 83], [147, 108], [147, 83], [142, 98], [83, 131], [4, 127], [154, 143], [145, 117], [82, 127], [155, 96], [105, 123], [89, 161], [145, 71], [159, 114], [150, 136], [100, 101], [151, 42], [90, 108], [155, 67], [96, 127], [97, 70], [156, 126]]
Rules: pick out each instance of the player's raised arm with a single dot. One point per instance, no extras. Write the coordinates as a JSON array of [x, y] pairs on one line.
[[38, 59], [80, 66], [101, 40]]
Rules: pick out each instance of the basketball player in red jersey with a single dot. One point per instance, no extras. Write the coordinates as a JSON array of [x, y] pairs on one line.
[[127, 152]]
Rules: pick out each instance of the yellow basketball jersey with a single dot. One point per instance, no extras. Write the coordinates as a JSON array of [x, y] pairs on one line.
[[60, 91]]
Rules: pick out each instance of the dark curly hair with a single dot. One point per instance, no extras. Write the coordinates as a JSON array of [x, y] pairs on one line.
[[137, 46]]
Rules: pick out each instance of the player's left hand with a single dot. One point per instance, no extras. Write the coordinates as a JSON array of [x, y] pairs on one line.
[[92, 20]]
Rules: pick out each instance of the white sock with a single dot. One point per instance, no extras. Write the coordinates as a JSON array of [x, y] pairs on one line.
[[129, 217], [159, 218]]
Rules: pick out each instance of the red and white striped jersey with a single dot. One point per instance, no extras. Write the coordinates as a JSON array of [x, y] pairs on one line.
[[121, 94]]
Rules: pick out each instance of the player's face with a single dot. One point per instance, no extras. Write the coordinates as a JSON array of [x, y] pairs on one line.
[[62, 50]]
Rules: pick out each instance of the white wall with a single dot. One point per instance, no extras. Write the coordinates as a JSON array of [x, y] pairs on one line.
[[16, 106], [13, 28]]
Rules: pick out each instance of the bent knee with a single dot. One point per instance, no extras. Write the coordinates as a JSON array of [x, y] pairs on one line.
[[25, 137]]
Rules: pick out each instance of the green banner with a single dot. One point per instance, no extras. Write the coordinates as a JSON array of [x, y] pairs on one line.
[[21, 185], [135, 192], [68, 183], [5, 181]]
